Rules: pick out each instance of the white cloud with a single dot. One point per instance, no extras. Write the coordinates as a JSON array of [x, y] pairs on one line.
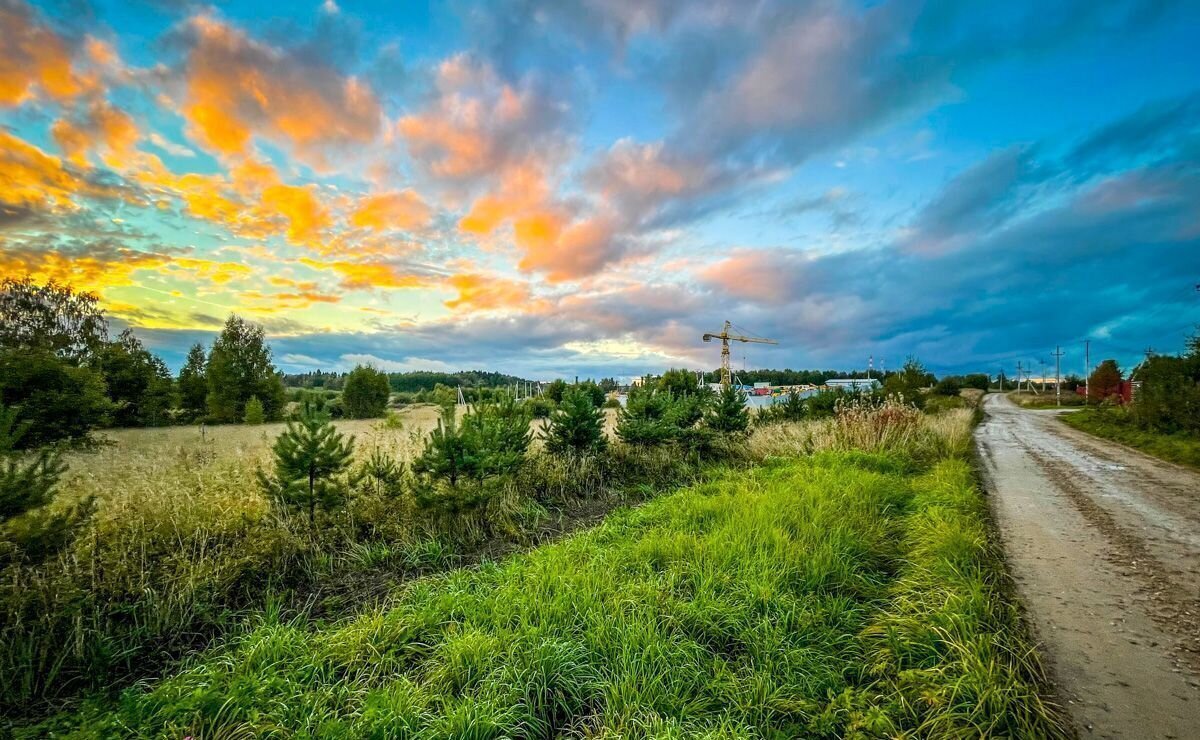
[[408, 364]]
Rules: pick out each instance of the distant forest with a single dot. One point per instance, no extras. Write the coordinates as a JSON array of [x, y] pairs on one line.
[[409, 382]]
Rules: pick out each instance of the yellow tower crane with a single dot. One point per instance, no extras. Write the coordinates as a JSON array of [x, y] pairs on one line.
[[726, 338]]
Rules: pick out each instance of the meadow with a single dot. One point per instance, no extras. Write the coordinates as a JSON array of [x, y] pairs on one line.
[[1114, 423], [834, 578]]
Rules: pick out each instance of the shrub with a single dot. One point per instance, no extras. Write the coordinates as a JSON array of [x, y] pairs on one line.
[[540, 407], [644, 420], [577, 427], [1104, 382]]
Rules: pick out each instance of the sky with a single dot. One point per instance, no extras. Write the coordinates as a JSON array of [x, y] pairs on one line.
[[553, 188]]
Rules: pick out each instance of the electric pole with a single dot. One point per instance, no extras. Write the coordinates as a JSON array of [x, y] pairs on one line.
[[1019, 378], [1042, 363], [1087, 370], [1058, 353]]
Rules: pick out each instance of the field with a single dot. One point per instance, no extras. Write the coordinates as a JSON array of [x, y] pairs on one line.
[[1111, 423], [830, 578]]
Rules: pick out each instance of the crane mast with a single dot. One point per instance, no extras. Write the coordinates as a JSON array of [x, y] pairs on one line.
[[726, 337]]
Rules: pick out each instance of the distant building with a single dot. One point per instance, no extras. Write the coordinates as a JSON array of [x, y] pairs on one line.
[[854, 385]]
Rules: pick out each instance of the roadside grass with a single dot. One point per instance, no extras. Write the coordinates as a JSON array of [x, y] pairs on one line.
[[1046, 399], [853, 592], [1114, 424]]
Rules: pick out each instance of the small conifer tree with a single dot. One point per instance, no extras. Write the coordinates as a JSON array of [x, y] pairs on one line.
[[645, 418], [310, 457], [577, 426], [254, 411], [26, 482], [729, 415]]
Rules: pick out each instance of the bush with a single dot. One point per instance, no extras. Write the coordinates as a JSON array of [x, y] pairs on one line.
[[539, 407], [645, 418]]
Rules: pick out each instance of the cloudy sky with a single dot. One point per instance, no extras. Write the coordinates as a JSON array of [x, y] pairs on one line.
[[561, 187]]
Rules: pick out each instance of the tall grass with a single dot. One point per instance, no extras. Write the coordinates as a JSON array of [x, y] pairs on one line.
[[836, 596]]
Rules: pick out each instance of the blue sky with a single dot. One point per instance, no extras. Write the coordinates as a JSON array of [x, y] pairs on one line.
[[585, 187]]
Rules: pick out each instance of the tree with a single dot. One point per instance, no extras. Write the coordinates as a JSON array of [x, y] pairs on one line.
[[254, 412], [608, 385], [193, 384], [950, 385], [644, 419], [239, 367], [909, 382], [365, 395], [679, 383], [729, 415], [55, 399], [1104, 382], [27, 484], [555, 390], [488, 446], [310, 455], [52, 317], [577, 427], [594, 391], [138, 383]]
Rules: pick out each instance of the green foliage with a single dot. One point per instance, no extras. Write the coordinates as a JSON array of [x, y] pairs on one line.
[[577, 427], [254, 412], [26, 481], [55, 400], [1115, 423], [555, 390], [729, 415], [540, 407], [365, 395], [948, 386], [838, 596], [31, 531], [483, 450], [138, 383], [909, 383], [645, 419], [193, 384], [310, 457], [239, 366], [51, 317], [1104, 382], [1169, 398], [679, 383]]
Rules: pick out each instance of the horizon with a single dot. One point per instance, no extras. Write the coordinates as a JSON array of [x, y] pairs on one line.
[[577, 189]]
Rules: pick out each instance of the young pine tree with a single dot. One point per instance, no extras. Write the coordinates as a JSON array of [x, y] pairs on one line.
[[254, 412], [729, 415], [577, 427], [645, 418], [310, 458], [27, 483]]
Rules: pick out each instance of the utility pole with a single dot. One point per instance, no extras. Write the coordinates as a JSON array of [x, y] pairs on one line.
[[1087, 370], [870, 365], [1058, 353], [1019, 377], [1042, 363]]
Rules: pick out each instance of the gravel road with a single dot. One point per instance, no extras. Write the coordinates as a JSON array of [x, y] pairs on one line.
[[1104, 545]]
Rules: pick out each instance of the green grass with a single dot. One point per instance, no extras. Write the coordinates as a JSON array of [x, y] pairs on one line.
[[1046, 399], [842, 595], [1114, 424]]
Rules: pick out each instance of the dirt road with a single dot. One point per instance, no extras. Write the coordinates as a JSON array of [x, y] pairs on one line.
[[1104, 545]]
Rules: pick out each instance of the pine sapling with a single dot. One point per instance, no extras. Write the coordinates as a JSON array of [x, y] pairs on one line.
[[577, 426], [310, 455]]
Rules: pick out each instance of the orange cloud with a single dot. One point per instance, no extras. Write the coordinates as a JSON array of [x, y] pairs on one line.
[[35, 61], [102, 128], [93, 270], [367, 275], [402, 210], [477, 292], [237, 88], [583, 249], [30, 179]]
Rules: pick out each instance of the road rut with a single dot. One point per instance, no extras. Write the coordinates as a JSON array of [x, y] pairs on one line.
[[1104, 545]]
